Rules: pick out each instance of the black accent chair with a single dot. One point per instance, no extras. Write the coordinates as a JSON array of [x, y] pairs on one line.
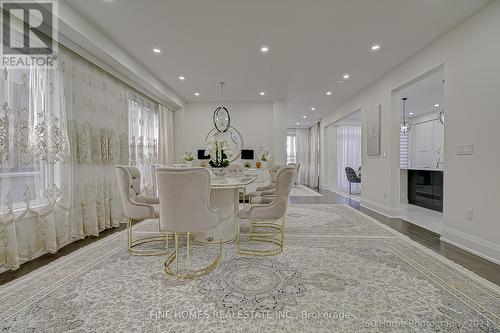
[[352, 177]]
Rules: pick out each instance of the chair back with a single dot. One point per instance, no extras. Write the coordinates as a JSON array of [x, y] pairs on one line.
[[181, 166], [153, 177], [184, 195], [277, 208], [351, 175], [129, 181], [274, 171], [129, 186], [235, 171]]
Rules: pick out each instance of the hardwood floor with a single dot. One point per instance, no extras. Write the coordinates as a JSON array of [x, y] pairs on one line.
[[480, 266]]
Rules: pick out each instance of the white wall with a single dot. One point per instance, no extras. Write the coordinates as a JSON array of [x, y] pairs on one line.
[[262, 125], [470, 54]]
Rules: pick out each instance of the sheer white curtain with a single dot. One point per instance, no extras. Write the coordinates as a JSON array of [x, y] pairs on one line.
[[348, 143], [61, 133], [34, 150], [329, 157], [314, 159], [303, 144], [143, 137], [166, 136]]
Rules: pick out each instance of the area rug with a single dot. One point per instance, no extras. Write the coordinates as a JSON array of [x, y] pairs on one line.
[[303, 191], [341, 271]]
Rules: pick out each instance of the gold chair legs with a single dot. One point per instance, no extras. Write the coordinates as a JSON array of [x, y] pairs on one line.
[[275, 236], [189, 274], [132, 244]]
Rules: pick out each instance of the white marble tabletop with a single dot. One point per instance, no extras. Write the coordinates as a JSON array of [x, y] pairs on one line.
[[225, 182]]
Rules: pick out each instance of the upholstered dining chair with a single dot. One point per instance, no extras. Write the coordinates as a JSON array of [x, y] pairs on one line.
[[153, 176], [267, 189], [181, 165], [268, 218], [137, 207], [352, 177], [184, 209]]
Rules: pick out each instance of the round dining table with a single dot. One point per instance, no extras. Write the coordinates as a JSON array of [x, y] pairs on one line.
[[225, 196]]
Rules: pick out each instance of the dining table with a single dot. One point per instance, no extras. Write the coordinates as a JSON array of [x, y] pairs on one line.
[[225, 196]]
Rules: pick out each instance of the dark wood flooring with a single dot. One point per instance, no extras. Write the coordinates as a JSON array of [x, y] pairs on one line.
[[480, 266]]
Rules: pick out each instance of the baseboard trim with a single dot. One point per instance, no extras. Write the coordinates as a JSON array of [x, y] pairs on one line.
[[480, 247], [387, 211]]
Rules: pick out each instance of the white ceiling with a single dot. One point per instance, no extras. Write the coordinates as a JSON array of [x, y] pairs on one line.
[[424, 94], [312, 44]]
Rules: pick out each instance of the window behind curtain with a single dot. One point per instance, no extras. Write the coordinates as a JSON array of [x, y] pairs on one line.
[[290, 149], [143, 136], [16, 174]]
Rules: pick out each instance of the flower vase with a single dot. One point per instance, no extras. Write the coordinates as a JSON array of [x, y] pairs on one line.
[[219, 172], [189, 163]]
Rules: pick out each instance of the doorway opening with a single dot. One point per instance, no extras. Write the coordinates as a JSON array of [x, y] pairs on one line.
[[422, 107], [343, 155]]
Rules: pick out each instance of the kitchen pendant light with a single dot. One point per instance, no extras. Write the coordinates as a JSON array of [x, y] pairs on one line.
[[221, 117], [404, 126]]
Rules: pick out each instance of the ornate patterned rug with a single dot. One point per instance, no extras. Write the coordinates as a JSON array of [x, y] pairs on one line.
[[341, 271], [303, 191]]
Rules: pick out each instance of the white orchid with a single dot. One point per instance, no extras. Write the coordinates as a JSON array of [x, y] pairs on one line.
[[188, 156]]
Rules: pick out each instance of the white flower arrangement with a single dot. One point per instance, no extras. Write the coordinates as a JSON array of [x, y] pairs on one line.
[[219, 152], [265, 157], [188, 157]]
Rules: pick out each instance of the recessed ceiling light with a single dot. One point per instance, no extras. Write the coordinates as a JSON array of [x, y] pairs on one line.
[[305, 117], [298, 123], [346, 76], [411, 113], [376, 47], [262, 93], [197, 94], [182, 78], [264, 49], [328, 93], [313, 109], [436, 105], [156, 50]]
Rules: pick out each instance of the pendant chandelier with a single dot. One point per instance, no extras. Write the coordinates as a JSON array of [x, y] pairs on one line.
[[221, 117], [441, 117], [404, 126]]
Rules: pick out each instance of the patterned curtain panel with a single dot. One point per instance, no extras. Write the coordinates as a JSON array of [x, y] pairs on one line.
[[61, 133], [143, 137]]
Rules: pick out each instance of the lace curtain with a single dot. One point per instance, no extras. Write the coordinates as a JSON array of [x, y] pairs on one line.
[[61, 133], [143, 136]]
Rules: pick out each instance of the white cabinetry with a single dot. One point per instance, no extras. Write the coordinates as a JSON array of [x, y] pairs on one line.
[[426, 138]]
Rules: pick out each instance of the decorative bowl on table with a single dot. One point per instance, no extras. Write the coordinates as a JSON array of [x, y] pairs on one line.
[[219, 172]]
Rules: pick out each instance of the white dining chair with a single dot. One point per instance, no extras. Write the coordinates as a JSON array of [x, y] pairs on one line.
[[268, 217], [137, 207], [185, 208], [267, 189]]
